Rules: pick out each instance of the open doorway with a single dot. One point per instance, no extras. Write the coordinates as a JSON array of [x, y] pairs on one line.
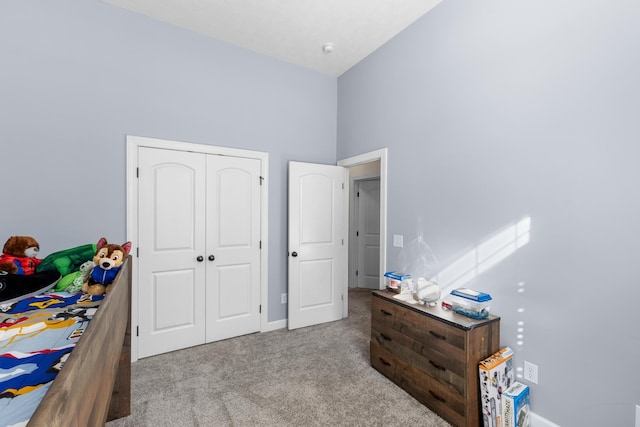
[[364, 228], [367, 172]]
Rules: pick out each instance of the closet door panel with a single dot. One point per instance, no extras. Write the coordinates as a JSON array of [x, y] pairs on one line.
[[171, 228], [233, 246]]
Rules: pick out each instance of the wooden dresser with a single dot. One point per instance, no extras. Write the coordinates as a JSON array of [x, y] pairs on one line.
[[433, 354]]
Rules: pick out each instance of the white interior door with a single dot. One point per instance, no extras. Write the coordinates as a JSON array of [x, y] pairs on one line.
[[171, 224], [233, 247], [317, 279], [368, 233]]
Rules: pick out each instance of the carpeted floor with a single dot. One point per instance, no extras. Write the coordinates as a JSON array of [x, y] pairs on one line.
[[315, 376]]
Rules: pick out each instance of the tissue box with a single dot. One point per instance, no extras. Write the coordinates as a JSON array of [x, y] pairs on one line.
[[515, 406], [496, 376]]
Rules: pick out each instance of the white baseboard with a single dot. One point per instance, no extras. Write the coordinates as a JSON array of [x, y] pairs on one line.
[[272, 326], [538, 421]]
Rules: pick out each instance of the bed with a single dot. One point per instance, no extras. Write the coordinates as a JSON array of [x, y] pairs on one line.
[[94, 384]]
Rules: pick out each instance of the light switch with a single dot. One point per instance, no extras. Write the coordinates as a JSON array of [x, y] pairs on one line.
[[398, 240]]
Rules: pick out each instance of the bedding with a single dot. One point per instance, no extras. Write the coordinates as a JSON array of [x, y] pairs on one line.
[[14, 287], [37, 334]]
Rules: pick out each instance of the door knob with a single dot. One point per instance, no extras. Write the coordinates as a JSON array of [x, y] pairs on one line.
[[200, 258], [212, 258], [294, 254]]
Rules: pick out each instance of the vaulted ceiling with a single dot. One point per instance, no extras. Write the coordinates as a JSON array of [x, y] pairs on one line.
[[329, 36]]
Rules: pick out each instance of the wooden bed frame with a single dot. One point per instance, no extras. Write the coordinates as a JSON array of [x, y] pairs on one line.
[[94, 386]]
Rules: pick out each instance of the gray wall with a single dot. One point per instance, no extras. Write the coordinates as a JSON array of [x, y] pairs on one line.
[[494, 111], [77, 76]]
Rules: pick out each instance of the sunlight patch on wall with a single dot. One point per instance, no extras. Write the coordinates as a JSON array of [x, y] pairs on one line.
[[520, 331], [485, 255]]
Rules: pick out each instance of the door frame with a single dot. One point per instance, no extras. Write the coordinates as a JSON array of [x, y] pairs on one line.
[[132, 144], [371, 156]]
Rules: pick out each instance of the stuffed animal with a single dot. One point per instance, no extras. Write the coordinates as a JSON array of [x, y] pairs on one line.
[[68, 261], [108, 260], [19, 255], [427, 292], [73, 282]]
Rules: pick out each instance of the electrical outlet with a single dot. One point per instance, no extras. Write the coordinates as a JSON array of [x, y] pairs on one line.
[[637, 415], [531, 372], [398, 240], [283, 298]]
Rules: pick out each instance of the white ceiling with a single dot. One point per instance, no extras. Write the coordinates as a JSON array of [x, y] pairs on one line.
[[293, 31]]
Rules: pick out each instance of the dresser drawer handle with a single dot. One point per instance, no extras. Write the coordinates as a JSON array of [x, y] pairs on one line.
[[386, 313], [384, 362], [435, 365], [386, 337], [435, 396], [440, 337]]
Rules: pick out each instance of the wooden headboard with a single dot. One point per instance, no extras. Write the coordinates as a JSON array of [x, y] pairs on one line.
[[95, 383]]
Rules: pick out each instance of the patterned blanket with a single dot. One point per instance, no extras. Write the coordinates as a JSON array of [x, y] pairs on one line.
[[36, 336]]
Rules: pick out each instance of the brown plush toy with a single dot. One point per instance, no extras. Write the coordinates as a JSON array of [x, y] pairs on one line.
[[108, 259], [19, 255]]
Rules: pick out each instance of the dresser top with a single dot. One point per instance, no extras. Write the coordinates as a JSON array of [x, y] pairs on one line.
[[437, 312]]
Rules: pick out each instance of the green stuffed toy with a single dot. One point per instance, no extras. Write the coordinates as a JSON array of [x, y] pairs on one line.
[[72, 282], [67, 262]]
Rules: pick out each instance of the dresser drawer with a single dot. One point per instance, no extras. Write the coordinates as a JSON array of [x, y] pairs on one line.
[[383, 361], [418, 384], [448, 370], [387, 313], [449, 405], [416, 325], [397, 370]]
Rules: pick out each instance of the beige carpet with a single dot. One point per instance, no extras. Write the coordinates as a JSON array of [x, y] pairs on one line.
[[315, 376]]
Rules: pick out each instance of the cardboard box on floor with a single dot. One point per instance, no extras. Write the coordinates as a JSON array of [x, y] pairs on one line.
[[496, 376], [515, 406]]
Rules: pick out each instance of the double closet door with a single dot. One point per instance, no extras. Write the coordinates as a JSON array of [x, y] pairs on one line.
[[199, 248]]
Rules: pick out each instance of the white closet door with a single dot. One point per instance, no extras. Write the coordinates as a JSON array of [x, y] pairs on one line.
[[171, 228], [233, 247]]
